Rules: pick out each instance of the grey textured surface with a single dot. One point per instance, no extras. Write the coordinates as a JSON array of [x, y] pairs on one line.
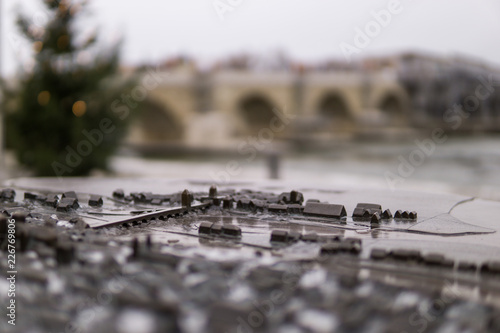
[[144, 265]]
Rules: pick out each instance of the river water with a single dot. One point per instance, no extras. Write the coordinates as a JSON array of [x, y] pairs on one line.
[[469, 166]]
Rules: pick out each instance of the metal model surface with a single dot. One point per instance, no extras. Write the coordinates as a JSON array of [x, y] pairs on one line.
[[190, 257]]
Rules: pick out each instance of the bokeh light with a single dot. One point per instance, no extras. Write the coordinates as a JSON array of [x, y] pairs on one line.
[[44, 98], [37, 46], [79, 108]]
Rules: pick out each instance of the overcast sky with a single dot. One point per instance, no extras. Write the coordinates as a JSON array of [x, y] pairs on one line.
[[306, 30]]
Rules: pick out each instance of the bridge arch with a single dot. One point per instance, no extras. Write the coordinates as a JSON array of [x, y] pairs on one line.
[[335, 108], [393, 107], [256, 110], [159, 123]]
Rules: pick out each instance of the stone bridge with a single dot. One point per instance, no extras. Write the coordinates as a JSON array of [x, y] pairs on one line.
[[201, 109]]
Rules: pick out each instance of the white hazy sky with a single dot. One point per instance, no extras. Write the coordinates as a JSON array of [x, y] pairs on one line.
[[306, 30]]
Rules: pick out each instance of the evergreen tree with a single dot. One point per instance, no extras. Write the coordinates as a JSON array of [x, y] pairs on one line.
[[62, 123]]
